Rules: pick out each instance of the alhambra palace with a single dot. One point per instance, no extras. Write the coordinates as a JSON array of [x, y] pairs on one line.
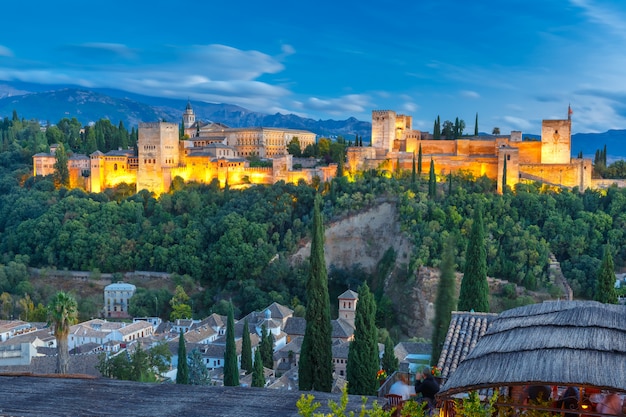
[[213, 151]]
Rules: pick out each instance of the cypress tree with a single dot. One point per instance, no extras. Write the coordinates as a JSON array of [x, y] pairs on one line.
[[316, 359], [267, 347], [445, 302], [419, 160], [363, 362], [605, 287], [476, 126], [390, 362], [61, 171], [231, 369], [504, 176], [258, 377], [398, 169], [450, 183], [246, 349], [413, 172], [474, 288], [432, 180], [182, 372], [361, 141]]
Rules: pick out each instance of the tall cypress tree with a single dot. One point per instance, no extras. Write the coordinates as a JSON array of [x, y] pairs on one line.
[[182, 372], [445, 302], [258, 377], [316, 358], [231, 369], [419, 160], [476, 126], [363, 362], [432, 180], [390, 361], [61, 171], [413, 171], [246, 348], [605, 287], [474, 287], [267, 347], [504, 176]]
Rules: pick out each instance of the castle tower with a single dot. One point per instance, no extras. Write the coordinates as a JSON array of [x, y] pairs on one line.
[[556, 141], [347, 306], [383, 129], [189, 117], [157, 148]]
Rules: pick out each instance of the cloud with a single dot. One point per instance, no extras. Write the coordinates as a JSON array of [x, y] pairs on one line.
[[470, 94], [604, 16], [518, 123], [351, 103], [4, 51], [287, 49]]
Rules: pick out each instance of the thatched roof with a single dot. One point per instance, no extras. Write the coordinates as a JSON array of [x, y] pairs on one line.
[[580, 343], [29, 396]]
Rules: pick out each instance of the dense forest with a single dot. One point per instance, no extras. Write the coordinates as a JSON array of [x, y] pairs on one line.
[[227, 244]]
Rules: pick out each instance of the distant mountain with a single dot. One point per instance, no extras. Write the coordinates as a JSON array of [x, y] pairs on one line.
[[52, 103], [92, 105], [589, 143]]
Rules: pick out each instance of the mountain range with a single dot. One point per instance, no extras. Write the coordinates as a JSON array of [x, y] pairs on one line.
[[49, 104]]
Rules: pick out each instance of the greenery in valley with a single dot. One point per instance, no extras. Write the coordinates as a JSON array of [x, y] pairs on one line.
[[235, 245]]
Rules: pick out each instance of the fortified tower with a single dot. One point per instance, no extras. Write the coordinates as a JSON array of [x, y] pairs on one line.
[[383, 129], [556, 139], [157, 147]]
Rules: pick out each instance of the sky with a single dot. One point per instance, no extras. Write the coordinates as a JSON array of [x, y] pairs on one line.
[[513, 63]]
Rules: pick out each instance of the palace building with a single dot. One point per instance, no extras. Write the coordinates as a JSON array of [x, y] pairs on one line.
[[548, 160], [209, 151]]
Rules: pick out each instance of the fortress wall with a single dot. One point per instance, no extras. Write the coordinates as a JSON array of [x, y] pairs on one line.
[[567, 175], [433, 147], [601, 183], [529, 152]]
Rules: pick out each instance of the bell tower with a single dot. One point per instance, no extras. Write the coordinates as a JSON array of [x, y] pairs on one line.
[[189, 117], [347, 306]]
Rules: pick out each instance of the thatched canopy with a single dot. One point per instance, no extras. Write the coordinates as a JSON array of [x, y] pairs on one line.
[[580, 343]]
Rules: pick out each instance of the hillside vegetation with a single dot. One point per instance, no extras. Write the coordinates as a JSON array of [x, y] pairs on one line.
[[243, 245]]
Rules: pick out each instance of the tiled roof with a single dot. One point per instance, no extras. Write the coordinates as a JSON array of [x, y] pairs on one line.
[[279, 311], [465, 329], [199, 334], [295, 326], [341, 350], [39, 365], [349, 295], [136, 326], [341, 329], [402, 349]]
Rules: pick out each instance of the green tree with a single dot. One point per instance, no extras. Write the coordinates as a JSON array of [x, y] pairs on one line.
[[62, 313], [432, 180], [231, 369], [182, 372], [316, 359], [605, 288], [390, 361], [504, 176], [363, 362], [413, 171], [61, 170], [437, 129], [267, 347], [476, 126], [419, 160], [198, 374], [294, 148], [445, 302], [258, 376], [246, 348], [180, 308], [474, 287]]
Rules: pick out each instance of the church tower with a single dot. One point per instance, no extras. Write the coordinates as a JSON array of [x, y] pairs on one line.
[[347, 306], [189, 117]]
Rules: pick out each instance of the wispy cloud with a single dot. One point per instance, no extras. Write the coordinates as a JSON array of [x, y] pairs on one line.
[[469, 94], [351, 103], [4, 51], [605, 16]]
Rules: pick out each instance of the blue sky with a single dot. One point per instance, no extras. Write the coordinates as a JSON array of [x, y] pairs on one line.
[[513, 62]]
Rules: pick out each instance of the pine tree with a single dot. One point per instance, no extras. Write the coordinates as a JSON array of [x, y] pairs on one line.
[[605, 287], [267, 347], [198, 374], [390, 362], [182, 372], [316, 359], [476, 126], [432, 181], [231, 369], [445, 302], [258, 377], [419, 160], [474, 288], [246, 349], [363, 362]]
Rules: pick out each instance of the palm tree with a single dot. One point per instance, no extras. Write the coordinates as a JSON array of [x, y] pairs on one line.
[[62, 313]]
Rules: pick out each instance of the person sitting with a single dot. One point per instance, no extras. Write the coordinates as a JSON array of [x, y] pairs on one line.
[[401, 387], [538, 394], [610, 404], [569, 401], [428, 387]]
